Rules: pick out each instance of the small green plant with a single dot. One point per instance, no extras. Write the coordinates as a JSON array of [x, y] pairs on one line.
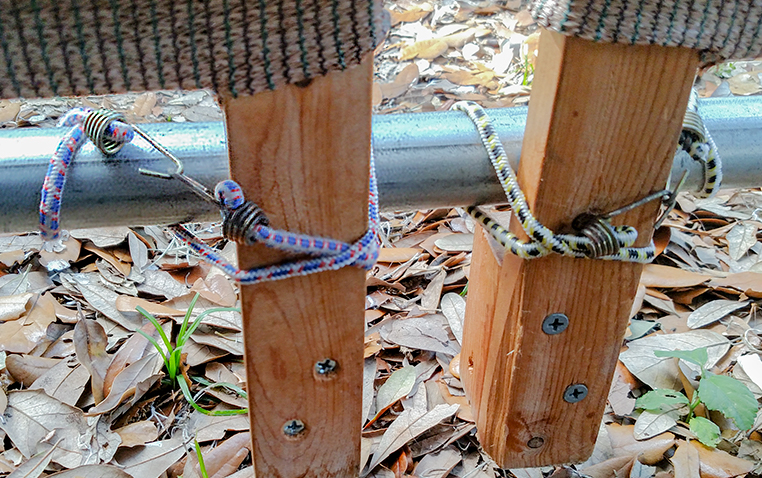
[[723, 70], [717, 392], [173, 358], [201, 465]]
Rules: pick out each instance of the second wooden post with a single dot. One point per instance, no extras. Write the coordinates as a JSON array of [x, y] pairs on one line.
[[602, 129]]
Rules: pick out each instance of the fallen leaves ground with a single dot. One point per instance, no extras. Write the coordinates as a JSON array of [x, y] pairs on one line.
[[81, 390]]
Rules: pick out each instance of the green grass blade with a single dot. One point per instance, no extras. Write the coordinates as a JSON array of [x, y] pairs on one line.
[[201, 464], [156, 324], [186, 319], [228, 385], [156, 346], [203, 314], [213, 413]]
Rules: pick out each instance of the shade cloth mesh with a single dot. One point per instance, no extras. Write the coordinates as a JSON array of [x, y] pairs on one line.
[[720, 29], [78, 47]]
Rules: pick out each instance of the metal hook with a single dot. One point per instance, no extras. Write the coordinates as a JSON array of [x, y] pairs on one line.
[[178, 174], [664, 193], [148, 172], [671, 200]]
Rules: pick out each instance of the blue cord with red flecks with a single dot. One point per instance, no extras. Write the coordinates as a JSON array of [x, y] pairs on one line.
[[329, 254]]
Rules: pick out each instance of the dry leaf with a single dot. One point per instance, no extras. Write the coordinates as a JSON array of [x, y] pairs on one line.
[[210, 428], [741, 238], [402, 82], [151, 460], [35, 466], [126, 384], [424, 333], [751, 365], [611, 468], [217, 289], [655, 275], [28, 368], [454, 309], [34, 420], [459, 39], [716, 463], [649, 424], [126, 303], [9, 110], [65, 381], [750, 283], [744, 84], [524, 18], [101, 299], [456, 242], [619, 398], [230, 320], [713, 311], [123, 267], [406, 427], [91, 342], [439, 464], [144, 103], [138, 433], [92, 471], [433, 292], [397, 386], [132, 350], [13, 306], [427, 49], [369, 377], [413, 15], [649, 451], [161, 283], [397, 254], [662, 372], [221, 460], [70, 253], [102, 236], [686, 461]]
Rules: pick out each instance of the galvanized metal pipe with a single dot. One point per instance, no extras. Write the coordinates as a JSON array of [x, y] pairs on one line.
[[423, 160]]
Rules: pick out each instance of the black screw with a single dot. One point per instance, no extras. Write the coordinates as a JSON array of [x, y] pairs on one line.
[[536, 442], [575, 393], [293, 428], [326, 366], [555, 323]]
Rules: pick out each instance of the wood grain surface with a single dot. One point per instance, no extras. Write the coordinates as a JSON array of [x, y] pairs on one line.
[[302, 154], [602, 128]]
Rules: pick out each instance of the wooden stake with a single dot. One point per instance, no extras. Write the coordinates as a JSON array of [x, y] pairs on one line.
[[302, 154], [601, 132]]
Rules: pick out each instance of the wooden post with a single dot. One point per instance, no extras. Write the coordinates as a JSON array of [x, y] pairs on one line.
[[302, 154], [602, 129]]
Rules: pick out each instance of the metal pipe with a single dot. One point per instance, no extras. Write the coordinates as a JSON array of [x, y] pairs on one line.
[[423, 160]]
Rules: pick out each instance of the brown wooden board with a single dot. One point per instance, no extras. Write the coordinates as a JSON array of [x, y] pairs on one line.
[[602, 129], [302, 154]]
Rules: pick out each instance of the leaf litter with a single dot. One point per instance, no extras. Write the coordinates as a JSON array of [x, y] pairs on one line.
[[83, 395]]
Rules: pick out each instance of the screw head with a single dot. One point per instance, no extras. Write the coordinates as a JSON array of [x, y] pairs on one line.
[[555, 323], [325, 366], [536, 442], [575, 393], [293, 427]]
